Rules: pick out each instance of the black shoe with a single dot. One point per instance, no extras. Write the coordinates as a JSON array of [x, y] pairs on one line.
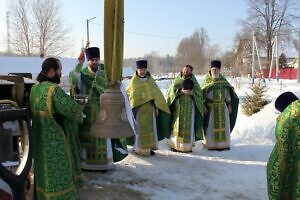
[[152, 153], [174, 150], [224, 149]]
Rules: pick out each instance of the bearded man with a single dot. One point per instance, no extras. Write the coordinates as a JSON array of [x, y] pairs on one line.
[[186, 105], [221, 104]]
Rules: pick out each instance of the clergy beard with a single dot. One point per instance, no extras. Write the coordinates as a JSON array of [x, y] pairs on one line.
[[94, 68], [215, 75], [186, 76], [142, 75]]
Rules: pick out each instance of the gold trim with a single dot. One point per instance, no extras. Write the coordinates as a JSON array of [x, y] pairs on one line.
[[219, 129], [49, 98], [55, 194], [41, 113]]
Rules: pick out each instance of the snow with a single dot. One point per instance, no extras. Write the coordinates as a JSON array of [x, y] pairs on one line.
[[239, 173], [33, 65]]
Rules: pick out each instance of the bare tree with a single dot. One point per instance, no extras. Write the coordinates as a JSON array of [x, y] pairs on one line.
[[39, 27], [296, 44], [50, 31], [213, 52], [191, 50], [22, 38], [271, 17], [154, 62]]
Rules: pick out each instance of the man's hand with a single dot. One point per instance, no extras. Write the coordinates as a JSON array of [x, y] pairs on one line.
[[205, 110], [156, 112], [229, 108], [81, 57]]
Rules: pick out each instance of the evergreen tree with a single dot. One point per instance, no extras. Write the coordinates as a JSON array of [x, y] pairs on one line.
[[254, 102], [282, 60]]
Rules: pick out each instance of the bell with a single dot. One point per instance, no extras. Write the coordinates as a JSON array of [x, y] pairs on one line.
[[112, 120]]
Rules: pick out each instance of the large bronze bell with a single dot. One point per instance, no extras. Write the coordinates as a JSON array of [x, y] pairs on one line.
[[112, 120]]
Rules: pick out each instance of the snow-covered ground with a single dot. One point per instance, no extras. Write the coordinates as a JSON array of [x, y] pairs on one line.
[[239, 173], [236, 174]]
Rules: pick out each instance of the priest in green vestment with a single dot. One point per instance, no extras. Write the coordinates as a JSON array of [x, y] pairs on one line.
[[57, 170], [96, 153], [283, 168], [150, 110], [185, 100], [221, 107]]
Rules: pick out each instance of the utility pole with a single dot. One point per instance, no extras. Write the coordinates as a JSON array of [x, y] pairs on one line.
[[277, 57], [88, 31], [253, 56], [298, 57], [8, 34], [259, 64], [272, 59]]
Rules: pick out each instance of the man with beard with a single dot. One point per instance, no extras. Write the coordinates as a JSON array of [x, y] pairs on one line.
[[96, 153], [54, 115], [283, 169], [149, 108], [221, 105], [186, 105]]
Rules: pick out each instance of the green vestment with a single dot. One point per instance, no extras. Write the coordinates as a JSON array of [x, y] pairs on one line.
[[145, 97], [222, 94], [283, 169], [186, 113], [56, 159], [95, 151]]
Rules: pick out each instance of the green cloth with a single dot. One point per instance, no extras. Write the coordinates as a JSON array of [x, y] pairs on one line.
[[146, 126], [54, 146], [141, 92], [95, 147], [181, 111], [73, 80], [219, 86], [283, 169]]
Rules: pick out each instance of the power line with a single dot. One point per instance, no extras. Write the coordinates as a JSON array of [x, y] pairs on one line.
[[8, 33], [162, 36]]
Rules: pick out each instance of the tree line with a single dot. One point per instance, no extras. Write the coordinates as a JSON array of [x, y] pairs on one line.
[[38, 29]]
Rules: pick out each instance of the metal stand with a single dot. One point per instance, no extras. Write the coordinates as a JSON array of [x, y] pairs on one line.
[[16, 181]]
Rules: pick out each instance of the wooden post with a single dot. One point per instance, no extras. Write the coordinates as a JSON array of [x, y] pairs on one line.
[[299, 57], [277, 58], [253, 57]]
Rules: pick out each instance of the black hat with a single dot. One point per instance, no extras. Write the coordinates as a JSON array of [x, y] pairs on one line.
[[284, 100], [92, 52], [187, 84], [216, 63], [140, 64]]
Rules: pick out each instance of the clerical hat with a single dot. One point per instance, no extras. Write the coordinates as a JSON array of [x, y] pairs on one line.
[[92, 52], [216, 63], [284, 100], [140, 64], [188, 84]]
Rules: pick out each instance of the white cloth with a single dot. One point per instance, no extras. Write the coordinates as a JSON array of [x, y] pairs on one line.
[[129, 114]]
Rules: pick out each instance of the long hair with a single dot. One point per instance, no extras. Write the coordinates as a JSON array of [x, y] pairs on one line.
[[48, 64]]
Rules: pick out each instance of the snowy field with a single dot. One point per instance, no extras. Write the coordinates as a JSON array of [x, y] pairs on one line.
[[236, 174], [239, 173]]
